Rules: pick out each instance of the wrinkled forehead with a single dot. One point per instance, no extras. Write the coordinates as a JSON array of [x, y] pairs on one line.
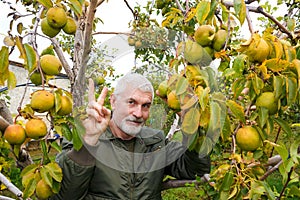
[[136, 93]]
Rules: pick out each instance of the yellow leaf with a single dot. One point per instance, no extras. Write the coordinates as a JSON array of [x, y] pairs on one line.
[[190, 15], [20, 47], [191, 121]]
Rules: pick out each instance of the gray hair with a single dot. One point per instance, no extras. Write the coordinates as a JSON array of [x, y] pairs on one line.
[[133, 81]]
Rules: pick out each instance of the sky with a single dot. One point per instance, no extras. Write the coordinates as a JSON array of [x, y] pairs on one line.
[[115, 15]]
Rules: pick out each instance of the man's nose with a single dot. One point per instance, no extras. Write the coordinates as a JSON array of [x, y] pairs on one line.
[[138, 112]]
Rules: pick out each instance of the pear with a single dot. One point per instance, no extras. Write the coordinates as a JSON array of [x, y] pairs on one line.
[[204, 35], [193, 52], [219, 39]]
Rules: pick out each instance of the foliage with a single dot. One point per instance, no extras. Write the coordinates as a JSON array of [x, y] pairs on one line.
[[217, 84]]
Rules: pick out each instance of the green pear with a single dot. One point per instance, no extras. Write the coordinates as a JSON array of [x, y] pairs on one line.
[[204, 35], [219, 39], [210, 51], [47, 29], [193, 52]]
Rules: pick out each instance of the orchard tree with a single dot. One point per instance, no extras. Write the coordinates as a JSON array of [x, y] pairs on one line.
[[237, 97]]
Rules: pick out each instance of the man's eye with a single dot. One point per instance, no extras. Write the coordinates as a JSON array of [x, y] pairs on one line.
[[147, 106], [130, 102]]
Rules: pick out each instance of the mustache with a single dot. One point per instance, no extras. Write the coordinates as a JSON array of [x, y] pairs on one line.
[[134, 119]]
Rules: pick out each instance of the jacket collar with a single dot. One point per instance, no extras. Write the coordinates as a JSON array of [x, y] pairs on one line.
[[147, 136]]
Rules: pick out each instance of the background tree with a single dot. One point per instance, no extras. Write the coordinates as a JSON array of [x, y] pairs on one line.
[[237, 96]]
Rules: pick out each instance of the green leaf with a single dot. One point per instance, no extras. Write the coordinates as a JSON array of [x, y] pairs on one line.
[[284, 125], [44, 148], [238, 86], [237, 110], [46, 3], [257, 83], [263, 114], [30, 62], [55, 171], [191, 121], [294, 151], [239, 64], [56, 146], [225, 12], [204, 146], [181, 85], [216, 121], [276, 65], [227, 181], [77, 142], [202, 11], [46, 176], [210, 79], [66, 132], [11, 81], [55, 187], [4, 63], [29, 190], [278, 84], [29, 169], [285, 168], [20, 28], [291, 85], [76, 6], [282, 151], [226, 131], [240, 10]]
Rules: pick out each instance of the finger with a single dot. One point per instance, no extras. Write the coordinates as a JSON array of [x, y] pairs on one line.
[[91, 95], [94, 114], [102, 96]]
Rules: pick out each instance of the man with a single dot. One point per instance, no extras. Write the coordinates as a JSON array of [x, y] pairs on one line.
[[121, 158]]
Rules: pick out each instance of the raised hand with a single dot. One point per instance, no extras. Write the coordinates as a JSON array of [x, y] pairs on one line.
[[98, 115]]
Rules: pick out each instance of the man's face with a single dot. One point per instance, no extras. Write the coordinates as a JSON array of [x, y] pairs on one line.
[[131, 110]]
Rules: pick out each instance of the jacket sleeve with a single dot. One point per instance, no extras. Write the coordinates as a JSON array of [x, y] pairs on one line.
[[188, 164], [78, 168]]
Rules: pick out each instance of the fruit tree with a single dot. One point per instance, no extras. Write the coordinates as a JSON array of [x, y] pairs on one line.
[[237, 96]]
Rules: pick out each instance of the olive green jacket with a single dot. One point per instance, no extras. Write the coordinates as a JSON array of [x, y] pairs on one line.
[[111, 170]]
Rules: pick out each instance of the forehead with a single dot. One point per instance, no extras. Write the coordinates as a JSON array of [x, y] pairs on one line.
[[137, 95]]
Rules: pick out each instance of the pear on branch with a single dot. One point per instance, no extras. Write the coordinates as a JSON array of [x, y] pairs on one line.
[[219, 39], [256, 48], [204, 35], [194, 53]]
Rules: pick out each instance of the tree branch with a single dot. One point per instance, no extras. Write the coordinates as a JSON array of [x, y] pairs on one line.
[[261, 11], [62, 58], [83, 54], [173, 183]]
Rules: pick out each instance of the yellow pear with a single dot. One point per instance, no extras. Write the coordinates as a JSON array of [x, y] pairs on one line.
[[35, 128], [42, 101], [66, 106], [56, 17], [248, 139], [70, 27], [50, 64], [43, 190], [15, 134]]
